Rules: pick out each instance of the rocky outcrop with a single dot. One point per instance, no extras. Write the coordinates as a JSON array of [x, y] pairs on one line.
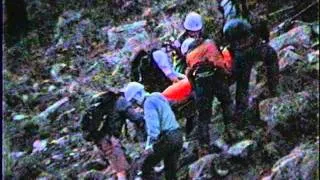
[[288, 57], [291, 109], [72, 32], [28, 166], [301, 163], [242, 148], [299, 36], [46, 91], [124, 41]]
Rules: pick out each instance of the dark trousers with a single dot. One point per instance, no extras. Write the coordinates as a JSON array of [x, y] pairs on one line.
[[244, 60], [167, 148], [206, 88]]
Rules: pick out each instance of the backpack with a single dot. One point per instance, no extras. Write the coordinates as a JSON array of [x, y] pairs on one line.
[[101, 118], [146, 71]]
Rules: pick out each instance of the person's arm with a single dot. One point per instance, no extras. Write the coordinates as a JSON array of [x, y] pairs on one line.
[[134, 116], [124, 107], [152, 122], [166, 67]]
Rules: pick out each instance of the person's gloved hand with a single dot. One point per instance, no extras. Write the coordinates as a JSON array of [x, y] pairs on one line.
[[174, 79], [181, 76]]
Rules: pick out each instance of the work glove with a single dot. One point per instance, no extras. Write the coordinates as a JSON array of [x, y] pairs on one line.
[[174, 79], [181, 76]]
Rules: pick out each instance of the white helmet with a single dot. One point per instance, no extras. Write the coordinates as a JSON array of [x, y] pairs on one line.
[[193, 22], [132, 89], [186, 45]]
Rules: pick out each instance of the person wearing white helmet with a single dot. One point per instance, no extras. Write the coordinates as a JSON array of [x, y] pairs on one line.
[[164, 140], [193, 25], [193, 22]]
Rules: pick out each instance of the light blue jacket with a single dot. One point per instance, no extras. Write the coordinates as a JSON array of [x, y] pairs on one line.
[[158, 115]]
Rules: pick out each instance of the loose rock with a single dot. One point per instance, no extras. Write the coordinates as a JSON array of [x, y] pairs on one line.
[[301, 163], [242, 148], [299, 37]]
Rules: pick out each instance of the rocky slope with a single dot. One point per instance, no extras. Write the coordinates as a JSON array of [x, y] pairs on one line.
[[75, 50]]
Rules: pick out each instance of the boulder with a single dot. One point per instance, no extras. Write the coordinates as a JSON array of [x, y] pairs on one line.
[[311, 67], [211, 166], [55, 72], [201, 168], [63, 141], [19, 117], [301, 163], [17, 155], [313, 57], [57, 157], [299, 36], [28, 166], [221, 144], [299, 75], [65, 19], [290, 109], [315, 28], [169, 27], [241, 149], [288, 57], [122, 33], [123, 42], [39, 145], [72, 32], [257, 92], [83, 30], [42, 118]]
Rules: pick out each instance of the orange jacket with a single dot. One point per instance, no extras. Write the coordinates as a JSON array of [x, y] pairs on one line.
[[206, 50], [179, 91]]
